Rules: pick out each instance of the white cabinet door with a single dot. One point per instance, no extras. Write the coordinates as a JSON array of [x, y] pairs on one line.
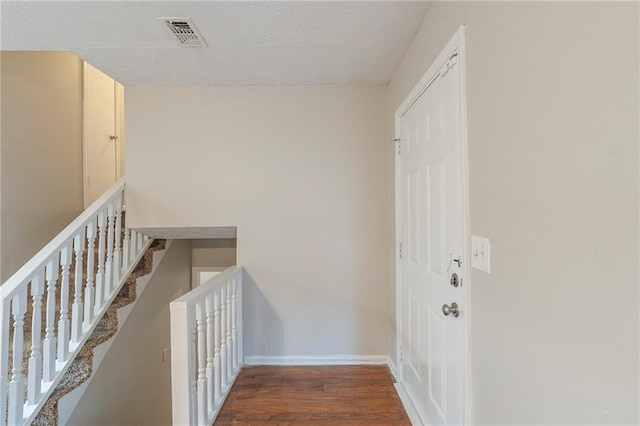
[[102, 132]]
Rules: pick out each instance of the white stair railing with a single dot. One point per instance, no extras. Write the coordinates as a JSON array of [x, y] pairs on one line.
[[46, 357], [206, 347]]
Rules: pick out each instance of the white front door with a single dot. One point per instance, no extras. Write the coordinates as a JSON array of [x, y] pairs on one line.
[[432, 234], [102, 132]]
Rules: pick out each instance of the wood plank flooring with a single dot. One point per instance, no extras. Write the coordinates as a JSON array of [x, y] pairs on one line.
[[331, 395]]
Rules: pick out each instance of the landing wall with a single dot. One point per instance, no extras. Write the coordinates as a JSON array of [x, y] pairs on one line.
[[40, 151], [133, 385], [301, 171]]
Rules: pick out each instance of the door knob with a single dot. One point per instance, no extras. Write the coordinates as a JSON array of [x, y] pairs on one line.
[[113, 137], [451, 310]]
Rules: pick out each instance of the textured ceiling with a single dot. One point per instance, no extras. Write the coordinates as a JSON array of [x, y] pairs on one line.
[[262, 42]]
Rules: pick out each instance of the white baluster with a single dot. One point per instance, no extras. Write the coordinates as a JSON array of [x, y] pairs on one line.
[[234, 331], [140, 243], [210, 343], [100, 281], [201, 327], [108, 282], [223, 340], [76, 308], [89, 289], [230, 354], [35, 361], [193, 389], [125, 250], [134, 244], [216, 342], [117, 254], [49, 354], [63, 323], [16, 386]]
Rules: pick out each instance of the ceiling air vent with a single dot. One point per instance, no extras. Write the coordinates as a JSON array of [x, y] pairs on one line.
[[185, 31]]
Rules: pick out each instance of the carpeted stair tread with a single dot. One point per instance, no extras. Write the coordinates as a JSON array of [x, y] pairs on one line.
[[82, 366]]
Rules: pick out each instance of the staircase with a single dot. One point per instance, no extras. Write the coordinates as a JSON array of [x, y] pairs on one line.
[[64, 303], [60, 312], [82, 367]]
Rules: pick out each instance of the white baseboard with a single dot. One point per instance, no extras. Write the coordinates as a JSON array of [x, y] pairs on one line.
[[392, 368], [318, 360], [414, 418]]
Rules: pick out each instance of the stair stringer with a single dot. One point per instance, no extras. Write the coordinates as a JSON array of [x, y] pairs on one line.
[[68, 403]]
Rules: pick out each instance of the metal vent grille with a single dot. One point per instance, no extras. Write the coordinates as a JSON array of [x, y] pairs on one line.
[[185, 31]]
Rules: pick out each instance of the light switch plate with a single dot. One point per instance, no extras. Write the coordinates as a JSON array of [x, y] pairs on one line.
[[481, 254]]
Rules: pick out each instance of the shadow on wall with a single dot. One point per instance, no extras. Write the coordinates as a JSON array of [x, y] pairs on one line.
[[263, 328], [213, 252]]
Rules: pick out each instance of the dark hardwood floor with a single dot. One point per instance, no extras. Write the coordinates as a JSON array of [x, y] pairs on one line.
[[332, 395]]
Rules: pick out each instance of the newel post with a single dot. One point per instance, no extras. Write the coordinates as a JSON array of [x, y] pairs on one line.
[[182, 365], [240, 310], [5, 309]]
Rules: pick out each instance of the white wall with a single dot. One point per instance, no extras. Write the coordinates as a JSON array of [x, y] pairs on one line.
[[133, 385], [301, 171], [553, 144], [41, 144]]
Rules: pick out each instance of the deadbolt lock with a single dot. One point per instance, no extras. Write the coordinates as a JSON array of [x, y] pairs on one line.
[[455, 280], [453, 310]]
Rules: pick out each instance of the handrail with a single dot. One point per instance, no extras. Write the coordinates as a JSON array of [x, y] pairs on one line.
[[203, 289], [40, 259], [206, 347], [64, 300]]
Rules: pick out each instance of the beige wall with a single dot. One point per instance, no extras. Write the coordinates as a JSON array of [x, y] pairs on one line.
[[217, 252], [553, 146], [133, 385], [41, 145], [301, 171]]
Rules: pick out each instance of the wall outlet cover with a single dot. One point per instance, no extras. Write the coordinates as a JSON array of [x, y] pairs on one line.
[[481, 254]]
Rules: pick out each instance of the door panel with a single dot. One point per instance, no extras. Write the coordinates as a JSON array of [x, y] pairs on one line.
[[414, 333], [435, 213], [437, 360], [99, 125], [432, 227], [414, 216], [414, 131]]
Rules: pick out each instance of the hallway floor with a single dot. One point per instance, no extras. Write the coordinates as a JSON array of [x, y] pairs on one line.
[[327, 395]]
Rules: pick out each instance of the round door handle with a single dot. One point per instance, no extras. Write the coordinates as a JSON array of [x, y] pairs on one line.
[[451, 310], [113, 137]]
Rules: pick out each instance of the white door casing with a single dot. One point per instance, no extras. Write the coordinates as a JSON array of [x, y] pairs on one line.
[[202, 274], [102, 128], [119, 114], [432, 228]]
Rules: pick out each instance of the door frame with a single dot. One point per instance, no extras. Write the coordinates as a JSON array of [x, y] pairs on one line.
[[195, 273], [455, 45], [85, 175], [119, 113]]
